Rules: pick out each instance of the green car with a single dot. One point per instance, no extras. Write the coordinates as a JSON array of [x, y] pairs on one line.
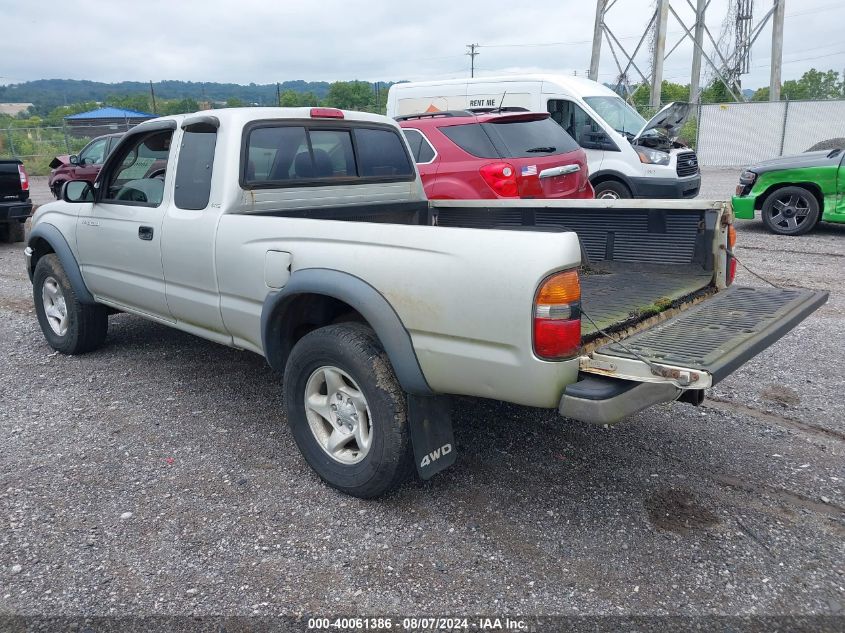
[[794, 193]]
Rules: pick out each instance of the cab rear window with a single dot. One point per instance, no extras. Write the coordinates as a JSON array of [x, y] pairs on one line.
[[511, 138], [287, 155]]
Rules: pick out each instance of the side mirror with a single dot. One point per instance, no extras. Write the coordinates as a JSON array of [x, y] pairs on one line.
[[73, 159], [78, 191]]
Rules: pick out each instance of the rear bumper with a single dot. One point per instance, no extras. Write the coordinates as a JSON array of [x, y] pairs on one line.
[[15, 211], [673, 188], [743, 207], [602, 400]]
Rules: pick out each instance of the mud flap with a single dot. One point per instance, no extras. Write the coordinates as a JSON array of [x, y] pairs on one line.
[[430, 422]]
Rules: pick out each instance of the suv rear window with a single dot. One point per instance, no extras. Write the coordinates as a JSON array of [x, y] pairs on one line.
[[292, 155], [511, 139]]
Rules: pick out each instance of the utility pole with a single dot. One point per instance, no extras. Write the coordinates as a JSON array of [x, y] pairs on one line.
[[777, 50], [153, 96], [659, 52], [698, 41], [472, 52], [601, 6]]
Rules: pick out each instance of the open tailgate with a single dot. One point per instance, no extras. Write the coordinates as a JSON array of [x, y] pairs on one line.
[[702, 345]]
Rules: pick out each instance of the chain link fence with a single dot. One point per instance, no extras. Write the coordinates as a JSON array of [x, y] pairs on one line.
[[739, 134], [36, 146]]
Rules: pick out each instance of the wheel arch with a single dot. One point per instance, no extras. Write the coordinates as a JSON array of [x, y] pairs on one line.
[[316, 297], [809, 186], [603, 176], [45, 239]]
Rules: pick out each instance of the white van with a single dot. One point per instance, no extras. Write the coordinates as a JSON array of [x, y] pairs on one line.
[[628, 157]]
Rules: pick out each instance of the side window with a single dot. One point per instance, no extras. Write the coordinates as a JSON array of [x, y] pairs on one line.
[[113, 141], [421, 149], [94, 154], [572, 118], [194, 168], [138, 174], [381, 153]]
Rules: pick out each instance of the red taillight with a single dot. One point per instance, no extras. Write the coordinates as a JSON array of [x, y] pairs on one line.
[[557, 316], [24, 179], [731, 258], [326, 113], [502, 179], [731, 269]]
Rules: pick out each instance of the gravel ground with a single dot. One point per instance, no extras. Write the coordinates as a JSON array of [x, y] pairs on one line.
[[157, 476]]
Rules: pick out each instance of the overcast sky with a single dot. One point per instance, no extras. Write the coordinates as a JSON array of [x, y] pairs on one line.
[[264, 41]]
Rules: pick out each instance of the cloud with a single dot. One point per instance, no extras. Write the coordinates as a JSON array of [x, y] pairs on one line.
[[259, 41]]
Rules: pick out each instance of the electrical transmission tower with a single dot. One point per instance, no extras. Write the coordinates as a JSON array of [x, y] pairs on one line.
[[727, 62]]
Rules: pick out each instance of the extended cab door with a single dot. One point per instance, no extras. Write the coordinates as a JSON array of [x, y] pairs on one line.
[[119, 235]]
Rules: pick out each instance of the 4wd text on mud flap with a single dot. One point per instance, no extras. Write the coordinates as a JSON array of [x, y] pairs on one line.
[[435, 455]]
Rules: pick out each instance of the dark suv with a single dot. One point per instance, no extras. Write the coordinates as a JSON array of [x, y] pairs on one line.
[[84, 166]]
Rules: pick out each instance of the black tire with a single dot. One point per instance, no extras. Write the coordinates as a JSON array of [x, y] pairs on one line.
[[354, 349], [86, 325], [611, 189], [790, 211], [57, 189]]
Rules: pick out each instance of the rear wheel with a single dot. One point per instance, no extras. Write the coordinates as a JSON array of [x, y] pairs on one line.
[[70, 326], [57, 189], [346, 410], [611, 190], [790, 211]]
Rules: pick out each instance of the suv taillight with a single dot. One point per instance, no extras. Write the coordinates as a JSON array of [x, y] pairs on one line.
[[557, 316], [502, 179], [24, 179]]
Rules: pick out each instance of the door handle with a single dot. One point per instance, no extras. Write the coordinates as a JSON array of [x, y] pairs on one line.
[[145, 233]]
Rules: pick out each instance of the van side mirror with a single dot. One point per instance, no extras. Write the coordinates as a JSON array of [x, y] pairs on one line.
[[73, 159], [78, 191]]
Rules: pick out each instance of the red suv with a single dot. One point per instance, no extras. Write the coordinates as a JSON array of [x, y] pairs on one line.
[[495, 154], [84, 166]]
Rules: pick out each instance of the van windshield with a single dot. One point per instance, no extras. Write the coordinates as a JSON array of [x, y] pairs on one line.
[[618, 114]]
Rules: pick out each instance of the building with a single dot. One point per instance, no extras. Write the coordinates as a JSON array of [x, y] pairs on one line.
[[106, 120]]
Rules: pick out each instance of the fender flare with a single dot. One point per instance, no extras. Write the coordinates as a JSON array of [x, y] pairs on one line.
[[356, 292], [53, 236]]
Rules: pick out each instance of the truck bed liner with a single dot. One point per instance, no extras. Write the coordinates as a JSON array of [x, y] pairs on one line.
[[613, 293]]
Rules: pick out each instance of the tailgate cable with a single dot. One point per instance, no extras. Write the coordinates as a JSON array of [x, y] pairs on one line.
[[760, 277], [651, 365]]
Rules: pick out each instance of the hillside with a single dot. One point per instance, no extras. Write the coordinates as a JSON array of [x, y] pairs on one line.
[[47, 94]]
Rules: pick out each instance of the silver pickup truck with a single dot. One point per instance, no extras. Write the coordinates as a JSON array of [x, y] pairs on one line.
[[304, 235]]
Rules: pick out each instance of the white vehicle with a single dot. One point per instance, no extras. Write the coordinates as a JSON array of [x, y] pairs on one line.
[[628, 157], [304, 235]]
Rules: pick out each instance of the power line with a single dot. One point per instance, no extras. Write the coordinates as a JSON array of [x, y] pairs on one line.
[[472, 52]]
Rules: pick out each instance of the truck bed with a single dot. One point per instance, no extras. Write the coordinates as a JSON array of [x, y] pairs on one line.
[[638, 261], [614, 295]]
